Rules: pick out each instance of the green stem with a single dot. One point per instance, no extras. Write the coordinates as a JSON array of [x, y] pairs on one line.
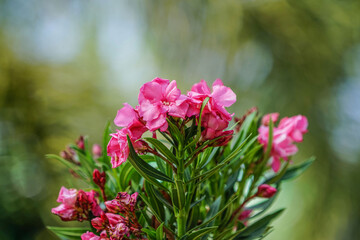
[[181, 222]]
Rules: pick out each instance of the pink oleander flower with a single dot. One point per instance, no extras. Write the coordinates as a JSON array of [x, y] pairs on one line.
[[118, 148], [266, 119], [219, 98], [123, 203], [266, 191], [129, 117], [160, 98], [215, 118], [92, 236], [244, 216], [116, 226], [288, 131], [76, 205]]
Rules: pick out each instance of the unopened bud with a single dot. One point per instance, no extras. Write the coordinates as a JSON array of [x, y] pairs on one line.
[[99, 178], [96, 150], [80, 143], [266, 191]]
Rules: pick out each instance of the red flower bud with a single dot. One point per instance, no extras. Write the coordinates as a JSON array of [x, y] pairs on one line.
[[99, 178], [80, 143], [266, 191]]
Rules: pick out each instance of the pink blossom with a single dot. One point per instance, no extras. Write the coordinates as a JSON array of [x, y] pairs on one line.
[[289, 130], [96, 150], [215, 118], [76, 205], [118, 147], [123, 203], [129, 117], [219, 98], [159, 98], [266, 119], [266, 191], [244, 216], [294, 127], [115, 225], [92, 236]]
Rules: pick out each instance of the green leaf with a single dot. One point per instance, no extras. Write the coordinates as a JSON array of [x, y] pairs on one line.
[[198, 135], [175, 132], [214, 213], [228, 159], [68, 232], [150, 232], [293, 171], [258, 228], [70, 165], [163, 149], [151, 207], [146, 170], [153, 200], [160, 232], [199, 233]]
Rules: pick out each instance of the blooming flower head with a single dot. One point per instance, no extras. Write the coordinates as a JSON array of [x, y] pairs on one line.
[[215, 118], [160, 98], [266, 119], [118, 148], [129, 117], [76, 205], [266, 191], [123, 203], [113, 225], [289, 130], [92, 236]]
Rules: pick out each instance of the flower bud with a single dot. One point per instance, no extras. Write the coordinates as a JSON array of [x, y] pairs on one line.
[[99, 178], [96, 150], [80, 143], [266, 191]]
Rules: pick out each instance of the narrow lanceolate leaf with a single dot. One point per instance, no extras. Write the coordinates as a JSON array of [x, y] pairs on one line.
[[228, 159], [145, 169], [293, 171], [163, 149], [160, 232], [68, 233], [199, 233], [70, 165], [198, 134], [154, 201], [258, 228], [214, 211]]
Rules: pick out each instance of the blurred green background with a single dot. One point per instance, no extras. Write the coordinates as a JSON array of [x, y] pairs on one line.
[[66, 67]]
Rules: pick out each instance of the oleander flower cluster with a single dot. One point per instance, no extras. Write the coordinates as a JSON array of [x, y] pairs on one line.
[[180, 166]]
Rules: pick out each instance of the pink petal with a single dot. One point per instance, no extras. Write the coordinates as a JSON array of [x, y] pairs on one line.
[[172, 93], [223, 96], [125, 116]]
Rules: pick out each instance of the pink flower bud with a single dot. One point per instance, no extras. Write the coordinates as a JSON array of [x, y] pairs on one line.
[[266, 191], [244, 216], [96, 150], [80, 143]]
